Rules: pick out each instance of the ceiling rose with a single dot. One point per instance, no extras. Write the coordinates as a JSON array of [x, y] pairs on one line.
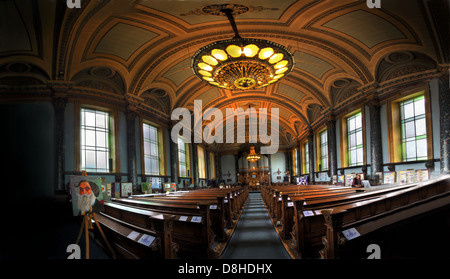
[[242, 63]]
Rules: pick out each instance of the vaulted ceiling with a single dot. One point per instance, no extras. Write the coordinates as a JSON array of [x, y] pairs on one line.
[[139, 51]]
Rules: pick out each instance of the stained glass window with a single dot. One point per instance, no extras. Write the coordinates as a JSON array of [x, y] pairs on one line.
[[212, 168], [414, 129], [201, 162], [151, 152], [355, 140], [182, 160], [95, 145], [306, 159], [324, 150]]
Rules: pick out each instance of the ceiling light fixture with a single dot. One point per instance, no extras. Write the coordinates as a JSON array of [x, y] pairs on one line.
[[241, 63], [253, 156]]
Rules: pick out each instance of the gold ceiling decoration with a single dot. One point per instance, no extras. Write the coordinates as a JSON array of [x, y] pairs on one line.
[[242, 63]]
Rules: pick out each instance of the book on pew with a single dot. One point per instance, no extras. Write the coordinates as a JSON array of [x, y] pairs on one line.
[[349, 179], [335, 179], [401, 177], [115, 190], [410, 176], [108, 190], [341, 180], [126, 189], [366, 184], [422, 175], [389, 177], [379, 178]]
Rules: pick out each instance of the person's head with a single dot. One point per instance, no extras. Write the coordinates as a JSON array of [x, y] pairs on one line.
[[87, 192], [358, 176], [84, 187]]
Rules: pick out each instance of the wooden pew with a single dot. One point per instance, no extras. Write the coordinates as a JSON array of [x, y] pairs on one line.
[[373, 214], [285, 213], [119, 221], [282, 203], [271, 195], [233, 202], [284, 209], [192, 229], [309, 227], [218, 210], [235, 195], [214, 208]]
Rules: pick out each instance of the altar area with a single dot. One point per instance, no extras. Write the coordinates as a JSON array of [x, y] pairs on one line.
[[254, 174]]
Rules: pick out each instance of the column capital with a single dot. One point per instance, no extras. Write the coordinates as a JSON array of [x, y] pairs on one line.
[[373, 102], [131, 112], [331, 123]]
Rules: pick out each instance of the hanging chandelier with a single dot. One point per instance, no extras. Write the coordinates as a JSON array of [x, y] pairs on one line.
[[241, 63], [253, 157]]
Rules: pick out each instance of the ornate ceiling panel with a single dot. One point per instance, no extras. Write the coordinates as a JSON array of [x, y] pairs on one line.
[[13, 27], [370, 30], [123, 40], [311, 64], [140, 51], [193, 12]]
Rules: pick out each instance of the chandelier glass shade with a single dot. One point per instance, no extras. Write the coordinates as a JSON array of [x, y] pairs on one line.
[[253, 157], [242, 63]]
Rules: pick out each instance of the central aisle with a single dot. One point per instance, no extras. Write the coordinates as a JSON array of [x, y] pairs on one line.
[[254, 236]]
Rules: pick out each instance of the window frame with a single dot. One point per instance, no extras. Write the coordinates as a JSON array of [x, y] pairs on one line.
[[344, 139], [414, 119], [394, 123], [98, 133], [201, 162], [320, 157], [186, 156], [161, 146], [357, 147], [151, 157], [305, 157], [113, 138], [212, 166], [294, 162]]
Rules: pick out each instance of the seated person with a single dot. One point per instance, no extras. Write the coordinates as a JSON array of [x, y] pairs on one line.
[[356, 181]]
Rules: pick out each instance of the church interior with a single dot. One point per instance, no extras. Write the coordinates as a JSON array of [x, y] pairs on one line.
[[289, 129]]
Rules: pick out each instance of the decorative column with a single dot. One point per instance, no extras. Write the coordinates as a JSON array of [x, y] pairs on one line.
[[207, 164], [332, 150], [444, 124], [288, 160], [218, 162], [131, 147], [236, 167], [173, 147], [299, 160], [270, 169], [195, 171], [311, 156], [376, 149], [59, 106]]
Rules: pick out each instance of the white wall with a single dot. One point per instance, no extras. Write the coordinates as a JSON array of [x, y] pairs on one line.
[[278, 161], [228, 164]]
